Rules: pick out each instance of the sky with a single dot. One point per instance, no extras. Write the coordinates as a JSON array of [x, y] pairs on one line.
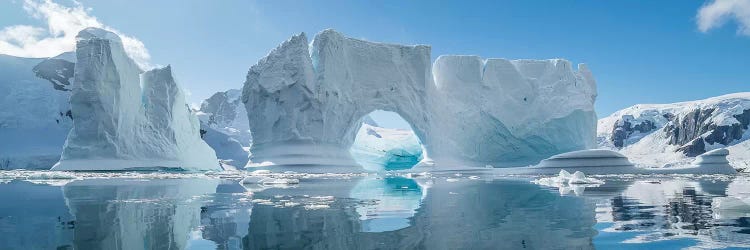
[[638, 51]]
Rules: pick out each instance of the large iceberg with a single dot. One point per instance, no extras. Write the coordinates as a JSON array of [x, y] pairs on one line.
[[117, 124], [36, 117], [305, 103]]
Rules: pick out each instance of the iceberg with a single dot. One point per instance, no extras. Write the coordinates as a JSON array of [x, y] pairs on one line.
[[306, 103], [117, 124]]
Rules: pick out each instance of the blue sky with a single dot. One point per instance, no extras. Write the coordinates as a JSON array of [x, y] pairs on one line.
[[639, 51]]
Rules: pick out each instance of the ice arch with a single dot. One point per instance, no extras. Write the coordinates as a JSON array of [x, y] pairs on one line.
[[379, 147], [305, 103]]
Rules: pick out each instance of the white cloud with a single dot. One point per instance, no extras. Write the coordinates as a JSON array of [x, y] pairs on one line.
[[62, 25], [716, 13]]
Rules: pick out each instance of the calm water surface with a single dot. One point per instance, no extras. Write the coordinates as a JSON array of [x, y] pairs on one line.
[[370, 212]]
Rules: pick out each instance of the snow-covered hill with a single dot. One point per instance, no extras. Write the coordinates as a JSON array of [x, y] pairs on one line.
[[656, 135], [35, 117]]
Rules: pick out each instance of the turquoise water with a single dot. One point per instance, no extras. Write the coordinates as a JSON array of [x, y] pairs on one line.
[[449, 211]]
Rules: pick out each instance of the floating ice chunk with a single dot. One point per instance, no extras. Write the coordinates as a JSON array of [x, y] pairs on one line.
[[252, 180], [564, 175], [261, 172], [268, 180], [51, 175], [579, 178], [280, 181], [565, 178], [316, 206]]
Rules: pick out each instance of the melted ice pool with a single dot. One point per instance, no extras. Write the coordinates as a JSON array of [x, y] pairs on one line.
[[47, 210]]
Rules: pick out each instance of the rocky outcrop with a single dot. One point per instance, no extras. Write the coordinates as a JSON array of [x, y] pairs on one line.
[[626, 126], [681, 130], [693, 131]]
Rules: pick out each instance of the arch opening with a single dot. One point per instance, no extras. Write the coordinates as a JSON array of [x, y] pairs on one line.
[[385, 141]]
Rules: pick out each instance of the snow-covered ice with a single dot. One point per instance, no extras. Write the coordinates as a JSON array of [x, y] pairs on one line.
[[119, 124], [564, 177], [305, 103]]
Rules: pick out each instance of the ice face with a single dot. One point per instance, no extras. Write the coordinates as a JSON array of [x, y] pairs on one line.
[[306, 100], [118, 125], [225, 112], [509, 113], [36, 117]]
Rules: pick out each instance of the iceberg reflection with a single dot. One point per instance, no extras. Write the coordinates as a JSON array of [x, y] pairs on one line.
[[135, 214]]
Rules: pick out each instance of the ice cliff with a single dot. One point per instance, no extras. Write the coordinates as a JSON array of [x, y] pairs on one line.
[[36, 116], [122, 120], [305, 103], [658, 135]]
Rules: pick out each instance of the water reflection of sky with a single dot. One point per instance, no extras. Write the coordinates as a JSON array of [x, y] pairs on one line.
[[387, 204], [372, 212]]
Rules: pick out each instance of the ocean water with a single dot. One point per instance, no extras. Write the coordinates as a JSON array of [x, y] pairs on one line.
[[42, 210]]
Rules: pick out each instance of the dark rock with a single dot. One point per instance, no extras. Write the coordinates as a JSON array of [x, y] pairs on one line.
[[57, 71], [688, 131], [624, 128], [685, 129], [694, 148]]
